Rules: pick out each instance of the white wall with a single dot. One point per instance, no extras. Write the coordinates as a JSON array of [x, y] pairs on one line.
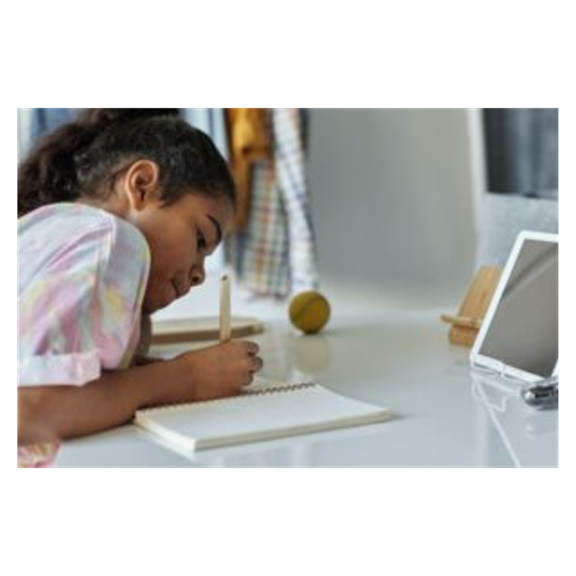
[[393, 200]]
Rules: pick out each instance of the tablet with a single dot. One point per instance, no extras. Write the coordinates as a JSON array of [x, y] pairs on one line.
[[519, 335]]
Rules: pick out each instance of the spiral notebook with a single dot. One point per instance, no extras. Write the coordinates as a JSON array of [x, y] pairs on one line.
[[266, 410]]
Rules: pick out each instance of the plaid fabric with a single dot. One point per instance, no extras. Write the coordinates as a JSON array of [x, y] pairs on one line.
[[250, 143], [276, 255]]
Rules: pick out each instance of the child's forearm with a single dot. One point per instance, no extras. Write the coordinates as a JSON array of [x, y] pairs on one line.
[[59, 412], [48, 413]]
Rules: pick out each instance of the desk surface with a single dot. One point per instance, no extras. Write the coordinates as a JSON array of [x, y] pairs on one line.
[[443, 416]]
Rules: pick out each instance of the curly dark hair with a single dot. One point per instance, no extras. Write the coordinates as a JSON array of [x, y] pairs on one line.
[[85, 157]]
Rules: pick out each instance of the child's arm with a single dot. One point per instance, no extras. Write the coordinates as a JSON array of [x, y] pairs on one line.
[[57, 412]]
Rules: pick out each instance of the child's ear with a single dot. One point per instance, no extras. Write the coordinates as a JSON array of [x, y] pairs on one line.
[[142, 183]]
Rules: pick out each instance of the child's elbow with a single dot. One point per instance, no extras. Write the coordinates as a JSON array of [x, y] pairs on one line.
[[32, 424]]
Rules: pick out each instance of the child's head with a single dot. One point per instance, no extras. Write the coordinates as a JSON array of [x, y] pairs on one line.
[[149, 167]]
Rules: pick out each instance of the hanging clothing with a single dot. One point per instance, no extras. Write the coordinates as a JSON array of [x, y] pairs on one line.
[[249, 135], [212, 121], [291, 175], [276, 256], [47, 118], [33, 123], [260, 255], [24, 131]]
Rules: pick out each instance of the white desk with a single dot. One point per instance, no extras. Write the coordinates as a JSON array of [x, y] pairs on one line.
[[398, 359]]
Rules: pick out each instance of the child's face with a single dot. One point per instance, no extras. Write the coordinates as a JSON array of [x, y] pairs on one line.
[[180, 237]]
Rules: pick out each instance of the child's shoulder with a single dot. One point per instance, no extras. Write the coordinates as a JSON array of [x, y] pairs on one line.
[[62, 225], [78, 220]]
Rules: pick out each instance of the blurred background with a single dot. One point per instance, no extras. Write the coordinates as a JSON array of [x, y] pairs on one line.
[[397, 207]]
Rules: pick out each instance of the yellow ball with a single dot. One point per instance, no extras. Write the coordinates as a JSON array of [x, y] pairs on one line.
[[309, 311]]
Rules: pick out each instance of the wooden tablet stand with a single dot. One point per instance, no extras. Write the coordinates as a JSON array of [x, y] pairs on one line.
[[466, 324]]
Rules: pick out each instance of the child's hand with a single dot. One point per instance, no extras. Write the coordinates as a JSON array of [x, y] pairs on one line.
[[219, 370]]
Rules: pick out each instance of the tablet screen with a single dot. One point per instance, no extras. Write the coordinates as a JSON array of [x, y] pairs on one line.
[[523, 332]]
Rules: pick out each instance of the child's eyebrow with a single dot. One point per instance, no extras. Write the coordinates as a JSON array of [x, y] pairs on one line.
[[218, 229]]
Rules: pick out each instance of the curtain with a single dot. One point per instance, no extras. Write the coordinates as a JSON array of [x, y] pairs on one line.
[[522, 151]]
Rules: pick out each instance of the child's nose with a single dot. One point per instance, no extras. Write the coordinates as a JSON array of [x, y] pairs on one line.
[[197, 275]]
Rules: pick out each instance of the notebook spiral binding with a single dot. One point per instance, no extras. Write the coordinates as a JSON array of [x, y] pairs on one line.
[[272, 389]]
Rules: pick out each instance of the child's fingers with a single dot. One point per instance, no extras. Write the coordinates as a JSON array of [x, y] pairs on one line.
[[257, 364], [252, 348], [247, 347]]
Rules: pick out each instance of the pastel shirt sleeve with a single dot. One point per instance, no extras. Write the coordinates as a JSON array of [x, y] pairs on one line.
[[81, 314]]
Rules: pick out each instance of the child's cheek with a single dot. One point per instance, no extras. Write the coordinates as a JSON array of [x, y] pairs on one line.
[[158, 296]]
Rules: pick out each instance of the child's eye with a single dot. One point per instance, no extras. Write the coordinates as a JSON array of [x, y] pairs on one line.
[[201, 241]]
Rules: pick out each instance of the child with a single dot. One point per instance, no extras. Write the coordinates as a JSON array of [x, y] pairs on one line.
[[118, 211]]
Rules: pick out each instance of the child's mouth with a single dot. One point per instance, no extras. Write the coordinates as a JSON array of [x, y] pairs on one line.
[[175, 288]]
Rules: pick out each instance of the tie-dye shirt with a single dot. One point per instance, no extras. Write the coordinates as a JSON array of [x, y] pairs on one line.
[[82, 274]]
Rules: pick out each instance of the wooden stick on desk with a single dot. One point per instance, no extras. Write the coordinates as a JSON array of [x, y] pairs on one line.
[[225, 329], [462, 321]]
